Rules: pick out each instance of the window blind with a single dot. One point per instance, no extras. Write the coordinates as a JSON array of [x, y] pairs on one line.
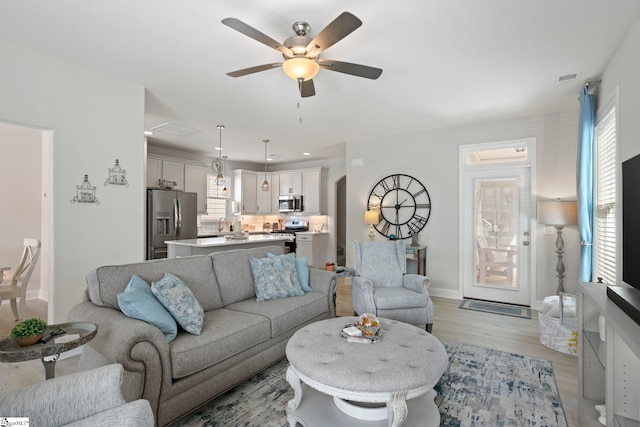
[[216, 201], [605, 178]]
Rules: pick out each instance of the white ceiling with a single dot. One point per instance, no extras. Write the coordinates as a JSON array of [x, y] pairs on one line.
[[446, 63]]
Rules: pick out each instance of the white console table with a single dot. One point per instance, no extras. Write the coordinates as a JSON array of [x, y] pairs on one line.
[[608, 371]]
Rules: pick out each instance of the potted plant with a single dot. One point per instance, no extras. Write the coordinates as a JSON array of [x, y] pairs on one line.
[[29, 331]]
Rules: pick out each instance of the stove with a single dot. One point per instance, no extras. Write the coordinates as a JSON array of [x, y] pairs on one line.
[[291, 226]]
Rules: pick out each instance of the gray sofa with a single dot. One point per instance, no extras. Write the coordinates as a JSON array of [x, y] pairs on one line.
[[240, 336]]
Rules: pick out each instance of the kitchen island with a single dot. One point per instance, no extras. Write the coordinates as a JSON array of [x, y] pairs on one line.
[[188, 247]]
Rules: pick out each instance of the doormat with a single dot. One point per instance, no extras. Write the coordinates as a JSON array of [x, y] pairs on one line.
[[496, 308]]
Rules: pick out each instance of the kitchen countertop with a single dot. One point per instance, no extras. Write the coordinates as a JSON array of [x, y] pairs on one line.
[[223, 241]]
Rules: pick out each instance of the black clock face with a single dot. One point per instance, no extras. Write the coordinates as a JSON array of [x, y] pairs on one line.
[[404, 205]]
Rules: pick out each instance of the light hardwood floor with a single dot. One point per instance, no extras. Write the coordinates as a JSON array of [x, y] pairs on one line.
[[504, 333]]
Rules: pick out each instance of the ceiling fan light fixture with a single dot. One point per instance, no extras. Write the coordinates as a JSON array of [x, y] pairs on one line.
[[300, 68]]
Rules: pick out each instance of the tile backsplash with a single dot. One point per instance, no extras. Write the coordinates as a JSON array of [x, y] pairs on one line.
[[256, 222]]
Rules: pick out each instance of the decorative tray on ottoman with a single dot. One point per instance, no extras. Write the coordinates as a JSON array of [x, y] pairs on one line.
[[366, 330]]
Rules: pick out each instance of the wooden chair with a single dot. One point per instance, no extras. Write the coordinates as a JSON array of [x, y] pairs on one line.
[[17, 288], [495, 261]]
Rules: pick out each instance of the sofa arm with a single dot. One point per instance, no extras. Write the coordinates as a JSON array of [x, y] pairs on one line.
[[416, 283], [139, 347], [69, 398], [362, 295], [325, 282]]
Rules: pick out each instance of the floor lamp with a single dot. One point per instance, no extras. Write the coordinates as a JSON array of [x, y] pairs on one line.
[[558, 214]]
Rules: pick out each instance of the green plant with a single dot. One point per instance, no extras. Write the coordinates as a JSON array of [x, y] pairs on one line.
[[29, 328]]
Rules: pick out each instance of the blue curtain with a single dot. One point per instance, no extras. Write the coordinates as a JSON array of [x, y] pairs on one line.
[[585, 182]]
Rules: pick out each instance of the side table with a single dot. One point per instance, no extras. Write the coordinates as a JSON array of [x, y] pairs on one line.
[[419, 255], [10, 351]]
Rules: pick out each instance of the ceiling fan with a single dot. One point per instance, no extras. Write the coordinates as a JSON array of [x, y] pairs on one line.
[[302, 54]]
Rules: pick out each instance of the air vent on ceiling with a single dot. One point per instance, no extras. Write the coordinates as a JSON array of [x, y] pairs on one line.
[[172, 129], [567, 78]]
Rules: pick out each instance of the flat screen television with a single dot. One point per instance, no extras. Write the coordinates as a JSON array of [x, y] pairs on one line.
[[628, 298]]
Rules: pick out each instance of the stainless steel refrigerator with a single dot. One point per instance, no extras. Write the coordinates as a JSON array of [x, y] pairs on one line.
[[171, 215]]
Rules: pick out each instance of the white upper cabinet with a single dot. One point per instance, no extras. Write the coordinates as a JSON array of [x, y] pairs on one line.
[[275, 192], [263, 198], [314, 191], [195, 181], [173, 171], [244, 190], [154, 172], [290, 183]]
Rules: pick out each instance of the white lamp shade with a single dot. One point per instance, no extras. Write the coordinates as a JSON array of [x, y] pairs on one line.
[[300, 68], [371, 217], [558, 213]]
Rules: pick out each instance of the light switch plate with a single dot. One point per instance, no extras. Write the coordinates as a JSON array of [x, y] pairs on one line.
[[548, 229]]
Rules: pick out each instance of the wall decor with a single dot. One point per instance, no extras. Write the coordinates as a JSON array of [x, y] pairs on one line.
[[404, 205], [85, 193], [117, 175]]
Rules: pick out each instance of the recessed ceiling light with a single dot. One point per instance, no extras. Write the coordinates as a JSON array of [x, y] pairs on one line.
[[269, 159], [148, 132], [218, 148], [306, 154]]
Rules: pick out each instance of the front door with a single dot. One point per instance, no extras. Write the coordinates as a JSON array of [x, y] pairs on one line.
[[496, 233]]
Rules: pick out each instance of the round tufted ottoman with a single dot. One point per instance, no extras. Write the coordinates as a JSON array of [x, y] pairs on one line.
[[389, 382]]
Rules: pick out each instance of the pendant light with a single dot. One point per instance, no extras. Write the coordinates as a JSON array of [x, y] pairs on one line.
[[265, 183], [217, 166], [225, 191]]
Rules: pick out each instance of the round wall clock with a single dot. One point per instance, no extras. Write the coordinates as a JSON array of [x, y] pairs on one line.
[[404, 205]]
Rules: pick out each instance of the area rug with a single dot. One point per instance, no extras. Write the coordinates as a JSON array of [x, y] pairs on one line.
[[481, 387], [496, 308]]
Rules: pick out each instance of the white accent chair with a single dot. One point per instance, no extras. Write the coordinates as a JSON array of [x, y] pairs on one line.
[[382, 286], [17, 287]]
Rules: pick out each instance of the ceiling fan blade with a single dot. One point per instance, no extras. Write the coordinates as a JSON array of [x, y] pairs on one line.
[[249, 31], [307, 88], [256, 69], [338, 29], [349, 68]]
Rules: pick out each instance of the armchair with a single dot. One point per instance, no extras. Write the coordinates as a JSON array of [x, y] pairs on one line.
[[495, 262], [87, 398], [382, 287]]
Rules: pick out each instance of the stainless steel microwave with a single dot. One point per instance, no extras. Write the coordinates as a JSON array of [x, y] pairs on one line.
[[290, 203]]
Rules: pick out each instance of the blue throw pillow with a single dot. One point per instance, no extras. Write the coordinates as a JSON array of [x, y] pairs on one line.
[[289, 262], [302, 267], [178, 299], [138, 302], [272, 280]]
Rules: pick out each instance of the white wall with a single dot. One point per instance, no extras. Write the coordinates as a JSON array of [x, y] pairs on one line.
[[623, 73], [20, 196], [94, 120], [432, 157]]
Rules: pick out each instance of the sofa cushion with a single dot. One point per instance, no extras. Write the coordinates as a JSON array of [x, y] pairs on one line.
[[299, 269], [233, 272], [178, 299], [138, 302], [105, 283], [302, 267], [285, 314], [225, 333], [272, 278]]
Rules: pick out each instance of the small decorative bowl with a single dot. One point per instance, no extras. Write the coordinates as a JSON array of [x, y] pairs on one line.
[[369, 324]]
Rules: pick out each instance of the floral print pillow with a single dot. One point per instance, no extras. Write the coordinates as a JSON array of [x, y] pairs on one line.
[[178, 299], [272, 279]]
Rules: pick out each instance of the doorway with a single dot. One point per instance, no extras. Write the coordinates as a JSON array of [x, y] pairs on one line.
[[341, 221], [496, 199]]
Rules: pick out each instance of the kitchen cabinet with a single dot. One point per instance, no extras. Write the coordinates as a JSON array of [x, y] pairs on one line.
[[154, 172], [314, 191], [290, 182], [275, 192], [173, 171], [263, 198], [245, 190], [195, 180], [607, 370], [314, 247]]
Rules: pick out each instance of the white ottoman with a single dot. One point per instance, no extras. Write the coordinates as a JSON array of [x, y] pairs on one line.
[[393, 378]]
